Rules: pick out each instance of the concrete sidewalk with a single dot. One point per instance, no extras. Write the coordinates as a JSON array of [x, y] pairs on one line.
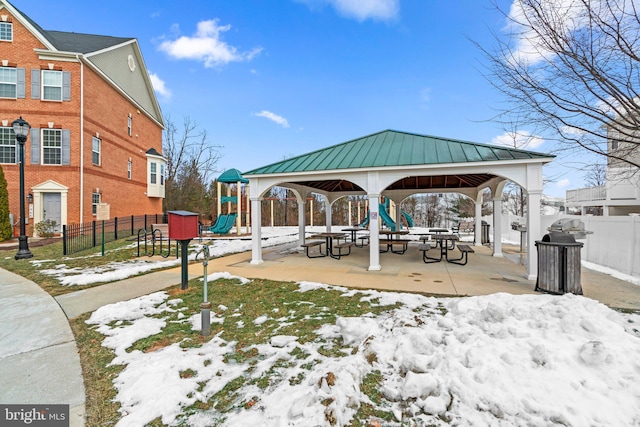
[[39, 361]]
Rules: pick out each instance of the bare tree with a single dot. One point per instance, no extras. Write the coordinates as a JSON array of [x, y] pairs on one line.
[[191, 162], [572, 68], [596, 175]]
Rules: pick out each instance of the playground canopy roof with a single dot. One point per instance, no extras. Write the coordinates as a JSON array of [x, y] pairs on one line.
[[232, 176], [389, 149]]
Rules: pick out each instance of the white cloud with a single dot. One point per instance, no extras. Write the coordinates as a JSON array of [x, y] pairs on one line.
[[570, 130], [521, 139], [361, 10], [529, 46], [273, 117], [563, 183], [206, 45], [159, 85]]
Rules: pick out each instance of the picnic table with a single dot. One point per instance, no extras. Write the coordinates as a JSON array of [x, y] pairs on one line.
[[446, 242], [330, 246], [391, 242], [364, 239]]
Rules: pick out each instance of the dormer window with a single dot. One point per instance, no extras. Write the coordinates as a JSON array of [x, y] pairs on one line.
[[6, 31]]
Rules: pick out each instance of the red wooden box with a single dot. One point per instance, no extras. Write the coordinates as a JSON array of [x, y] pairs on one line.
[[183, 225]]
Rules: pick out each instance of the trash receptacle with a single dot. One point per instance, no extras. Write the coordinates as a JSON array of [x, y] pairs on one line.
[[559, 264], [485, 232]]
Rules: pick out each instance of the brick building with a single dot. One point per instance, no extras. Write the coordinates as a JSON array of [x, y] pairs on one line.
[[96, 126]]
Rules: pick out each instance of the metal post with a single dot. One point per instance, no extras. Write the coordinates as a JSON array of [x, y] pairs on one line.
[[184, 245], [205, 307]]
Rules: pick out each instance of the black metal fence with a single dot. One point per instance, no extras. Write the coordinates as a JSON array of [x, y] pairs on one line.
[[79, 237]]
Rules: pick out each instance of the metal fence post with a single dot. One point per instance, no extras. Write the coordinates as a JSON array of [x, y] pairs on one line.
[[64, 239]]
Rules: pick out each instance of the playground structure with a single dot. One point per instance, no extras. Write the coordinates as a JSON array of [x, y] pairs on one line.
[[225, 222], [387, 219]]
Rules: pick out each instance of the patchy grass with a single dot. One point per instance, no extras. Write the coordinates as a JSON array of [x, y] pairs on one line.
[[101, 409], [50, 257], [281, 310]]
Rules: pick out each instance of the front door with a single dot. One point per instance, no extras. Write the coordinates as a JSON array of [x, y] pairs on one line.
[[51, 209]]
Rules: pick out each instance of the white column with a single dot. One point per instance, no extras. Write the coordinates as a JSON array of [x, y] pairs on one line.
[[311, 211], [219, 204], [247, 217], [478, 232], [327, 213], [374, 235], [239, 217], [398, 216], [301, 220], [271, 212], [533, 233], [256, 236], [497, 226]]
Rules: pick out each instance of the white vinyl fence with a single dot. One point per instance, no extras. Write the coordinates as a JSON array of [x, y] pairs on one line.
[[615, 242]]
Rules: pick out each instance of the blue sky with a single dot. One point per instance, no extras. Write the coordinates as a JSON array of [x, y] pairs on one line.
[[273, 79]]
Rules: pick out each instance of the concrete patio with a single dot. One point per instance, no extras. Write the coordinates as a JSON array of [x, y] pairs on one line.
[[484, 274]]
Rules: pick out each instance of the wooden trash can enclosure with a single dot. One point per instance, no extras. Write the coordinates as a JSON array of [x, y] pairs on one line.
[[559, 268]]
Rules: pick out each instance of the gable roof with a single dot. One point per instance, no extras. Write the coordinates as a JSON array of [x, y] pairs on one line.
[[90, 47], [83, 43], [393, 148]]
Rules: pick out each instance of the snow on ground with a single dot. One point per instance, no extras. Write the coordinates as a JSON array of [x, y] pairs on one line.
[[121, 270], [499, 360]]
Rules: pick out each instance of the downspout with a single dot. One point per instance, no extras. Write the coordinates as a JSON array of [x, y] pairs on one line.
[[81, 139]]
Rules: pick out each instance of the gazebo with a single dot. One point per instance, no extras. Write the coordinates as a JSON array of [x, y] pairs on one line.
[[397, 165]]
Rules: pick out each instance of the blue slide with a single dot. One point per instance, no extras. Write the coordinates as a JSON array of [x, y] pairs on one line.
[[388, 221]]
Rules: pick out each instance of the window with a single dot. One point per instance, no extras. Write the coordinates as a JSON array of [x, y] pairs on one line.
[[7, 146], [153, 173], [95, 151], [51, 146], [8, 82], [129, 169], [95, 201], [6, 31], [614, 144], [161, 174], [51, 85], [129, 122]]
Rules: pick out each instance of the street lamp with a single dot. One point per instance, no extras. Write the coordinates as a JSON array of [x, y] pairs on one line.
[[21, 129]]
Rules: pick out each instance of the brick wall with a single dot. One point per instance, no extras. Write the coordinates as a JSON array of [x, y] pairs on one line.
[[105, 114]]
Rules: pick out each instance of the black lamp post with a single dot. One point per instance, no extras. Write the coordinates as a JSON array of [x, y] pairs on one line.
[[21, 129]]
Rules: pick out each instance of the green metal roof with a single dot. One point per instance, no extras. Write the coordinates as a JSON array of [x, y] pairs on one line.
[[393, 148]]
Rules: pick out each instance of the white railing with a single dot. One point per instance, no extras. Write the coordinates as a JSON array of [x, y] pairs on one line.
[[589, 194]]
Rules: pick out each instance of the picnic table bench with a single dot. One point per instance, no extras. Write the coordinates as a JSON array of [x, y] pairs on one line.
[[403, 243], [313, 244], [329, 237], [465, 250], [424, 248]]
